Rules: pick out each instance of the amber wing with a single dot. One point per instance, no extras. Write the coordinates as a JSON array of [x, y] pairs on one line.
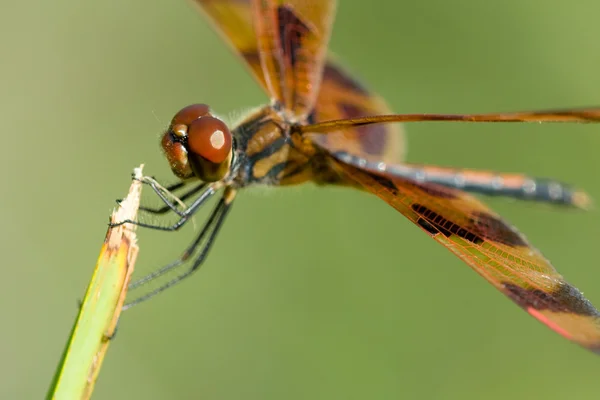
[[494, 249], [292, 40], [233, 20], [342, 96], [284, 43]]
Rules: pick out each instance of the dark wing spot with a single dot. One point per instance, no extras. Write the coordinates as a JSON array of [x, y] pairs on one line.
[[445, 226], [385, 182], [252, 57], [370, 137], [482, 226], [433, 189], [291, 32], [565, 298], [497, 230], [336, 75], [428, 227]]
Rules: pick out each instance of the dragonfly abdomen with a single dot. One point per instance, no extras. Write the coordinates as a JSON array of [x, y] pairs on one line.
[[484, 182]]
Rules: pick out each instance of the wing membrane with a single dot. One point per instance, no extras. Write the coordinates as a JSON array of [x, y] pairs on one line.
[[343, 97], [233, 20], [583, 115], [285, 47], [494, 249], [292, 41]]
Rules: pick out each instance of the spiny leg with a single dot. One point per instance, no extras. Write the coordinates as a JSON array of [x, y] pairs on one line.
[[184, 214], [167, 207], [171, 188], [186, 254], [209, 231], [175, 186], [162, 194]]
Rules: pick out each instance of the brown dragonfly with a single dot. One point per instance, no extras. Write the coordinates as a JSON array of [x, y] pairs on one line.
[[325, 127]]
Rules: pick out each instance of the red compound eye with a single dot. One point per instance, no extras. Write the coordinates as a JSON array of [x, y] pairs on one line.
[[188, 114], [210, 138], [177, 156]]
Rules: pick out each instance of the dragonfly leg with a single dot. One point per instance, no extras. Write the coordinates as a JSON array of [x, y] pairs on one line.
[[168, 207], [170, 188], [162, 194], [183, 214], [203, 241], [177, 185]]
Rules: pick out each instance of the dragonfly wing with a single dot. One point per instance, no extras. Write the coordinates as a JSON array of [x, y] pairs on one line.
[[232, 19], [342, 96], [493, 248], [293, 36], [283, 42]]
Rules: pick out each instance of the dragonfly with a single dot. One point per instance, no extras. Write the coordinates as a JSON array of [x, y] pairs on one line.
[[323, 126]]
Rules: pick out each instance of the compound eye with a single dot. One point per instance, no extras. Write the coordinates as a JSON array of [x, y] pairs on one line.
[[210, 138], [188, 114]]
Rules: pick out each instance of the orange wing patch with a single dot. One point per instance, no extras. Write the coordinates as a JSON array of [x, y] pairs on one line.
[[292, 42], [343, 97], [494, 249], [340, 95], [285, 48], [233, 20]]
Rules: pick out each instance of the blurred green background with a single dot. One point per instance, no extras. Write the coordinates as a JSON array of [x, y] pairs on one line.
[[309, 293]]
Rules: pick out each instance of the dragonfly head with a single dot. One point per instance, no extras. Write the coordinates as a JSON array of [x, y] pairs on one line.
[[198, 144]]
